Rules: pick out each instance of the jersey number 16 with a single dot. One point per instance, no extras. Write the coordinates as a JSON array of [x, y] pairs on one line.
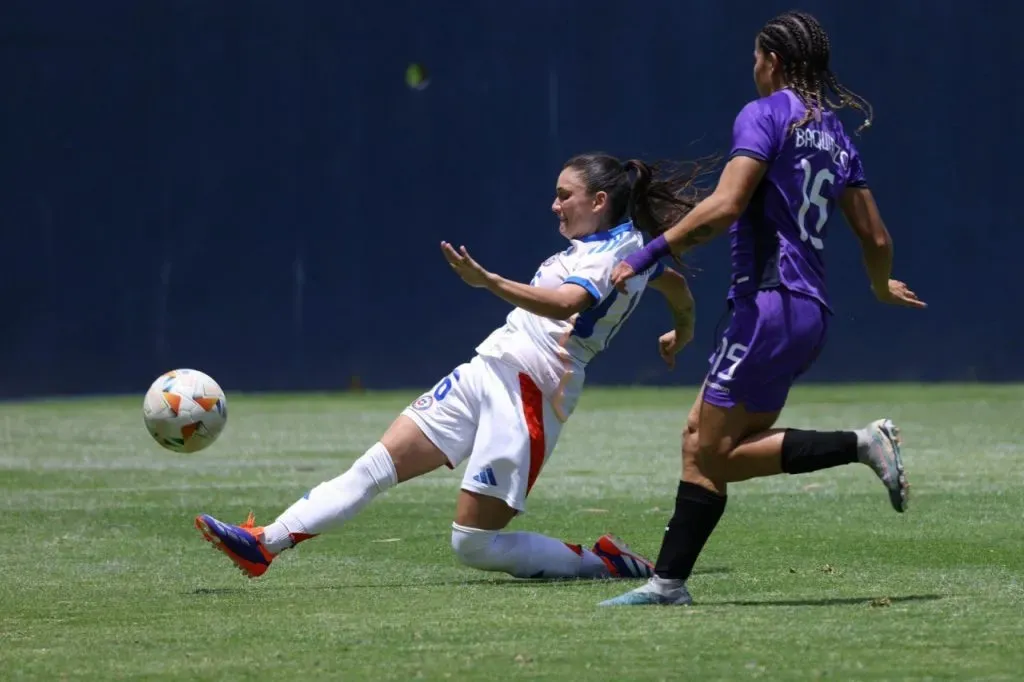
[[814, 197]]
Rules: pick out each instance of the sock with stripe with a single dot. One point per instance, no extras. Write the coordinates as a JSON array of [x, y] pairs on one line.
[[333, 502], [807, 451], [525, 555]]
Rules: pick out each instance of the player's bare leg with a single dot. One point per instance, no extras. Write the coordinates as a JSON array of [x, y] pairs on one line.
[[477, 542], [794, 451], [711, 433], [411, 452], [402, 453], [778, 451], [723, 445]]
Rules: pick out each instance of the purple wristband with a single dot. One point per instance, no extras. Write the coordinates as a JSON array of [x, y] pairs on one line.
[[649, 255]]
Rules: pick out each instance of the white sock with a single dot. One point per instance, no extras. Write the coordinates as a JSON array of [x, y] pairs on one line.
[[525, 555], [333, 502], [667, 587], [864, 439]]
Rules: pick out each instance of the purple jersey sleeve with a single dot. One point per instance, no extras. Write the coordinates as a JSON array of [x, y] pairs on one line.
[[856, 178], [754, 133]]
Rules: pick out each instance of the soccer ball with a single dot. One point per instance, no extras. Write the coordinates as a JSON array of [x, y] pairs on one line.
[[185, 410]]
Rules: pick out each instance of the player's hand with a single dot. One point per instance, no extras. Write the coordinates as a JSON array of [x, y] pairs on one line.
[[622, 272], [464, 265], [900, 294], [671, 343]]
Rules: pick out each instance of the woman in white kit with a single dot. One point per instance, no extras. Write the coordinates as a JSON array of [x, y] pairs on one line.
[[504, 409]]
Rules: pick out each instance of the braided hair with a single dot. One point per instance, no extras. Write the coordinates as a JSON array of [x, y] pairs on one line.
[[803, 48]]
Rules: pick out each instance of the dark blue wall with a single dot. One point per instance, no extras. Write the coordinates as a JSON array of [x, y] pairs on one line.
[[251, 189]]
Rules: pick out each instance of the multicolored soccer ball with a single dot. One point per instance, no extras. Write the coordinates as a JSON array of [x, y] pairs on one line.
[[185, 410]]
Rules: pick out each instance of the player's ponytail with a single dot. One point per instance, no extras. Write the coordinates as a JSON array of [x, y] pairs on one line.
[[655, 198], [639, 207], [661, 195]]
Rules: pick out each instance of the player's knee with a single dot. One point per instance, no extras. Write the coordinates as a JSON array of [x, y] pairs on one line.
[[704, 455], [691, 441], [697, 447], [692, 420], [692, 424], [475, 547]]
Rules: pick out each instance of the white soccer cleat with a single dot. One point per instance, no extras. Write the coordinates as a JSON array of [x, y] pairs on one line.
[[883, 456], [655, 592]]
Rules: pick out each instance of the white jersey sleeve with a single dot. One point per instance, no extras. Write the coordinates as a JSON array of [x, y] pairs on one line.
[[594, 273], [555, 353]]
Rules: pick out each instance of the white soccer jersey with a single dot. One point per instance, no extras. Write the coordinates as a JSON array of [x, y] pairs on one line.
[[555, 353]]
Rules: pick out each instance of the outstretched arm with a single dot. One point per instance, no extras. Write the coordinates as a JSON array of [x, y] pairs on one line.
[[861, 212], [735, 188], [556, 304]]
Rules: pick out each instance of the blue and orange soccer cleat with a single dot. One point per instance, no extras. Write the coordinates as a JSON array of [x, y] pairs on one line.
[[242, 544], [621, 561]]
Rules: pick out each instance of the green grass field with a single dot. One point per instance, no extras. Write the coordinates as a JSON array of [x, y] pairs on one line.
[[103, 577]]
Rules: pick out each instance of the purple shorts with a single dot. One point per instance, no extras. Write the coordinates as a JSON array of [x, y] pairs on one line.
[[774, 337]]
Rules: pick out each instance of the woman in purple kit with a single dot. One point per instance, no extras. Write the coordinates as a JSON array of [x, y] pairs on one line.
[[791, 165]]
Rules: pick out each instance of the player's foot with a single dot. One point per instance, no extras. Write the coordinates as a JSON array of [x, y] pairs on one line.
[[883, 456], [621, 561], [242, 544], [656, 591]]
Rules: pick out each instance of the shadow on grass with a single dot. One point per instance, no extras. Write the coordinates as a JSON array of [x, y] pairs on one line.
[[844, 601], [455, 582]]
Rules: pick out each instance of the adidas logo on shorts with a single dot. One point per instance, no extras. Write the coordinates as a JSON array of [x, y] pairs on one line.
[[486, 476]]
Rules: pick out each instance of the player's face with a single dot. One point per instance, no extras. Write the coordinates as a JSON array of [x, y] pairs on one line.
[[765, 67], [578, 211]]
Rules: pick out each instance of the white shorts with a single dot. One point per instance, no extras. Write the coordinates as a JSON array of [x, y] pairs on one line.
[[494, 415]]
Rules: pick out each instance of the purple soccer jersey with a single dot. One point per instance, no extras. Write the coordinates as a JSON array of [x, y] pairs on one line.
[[779, 239]]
